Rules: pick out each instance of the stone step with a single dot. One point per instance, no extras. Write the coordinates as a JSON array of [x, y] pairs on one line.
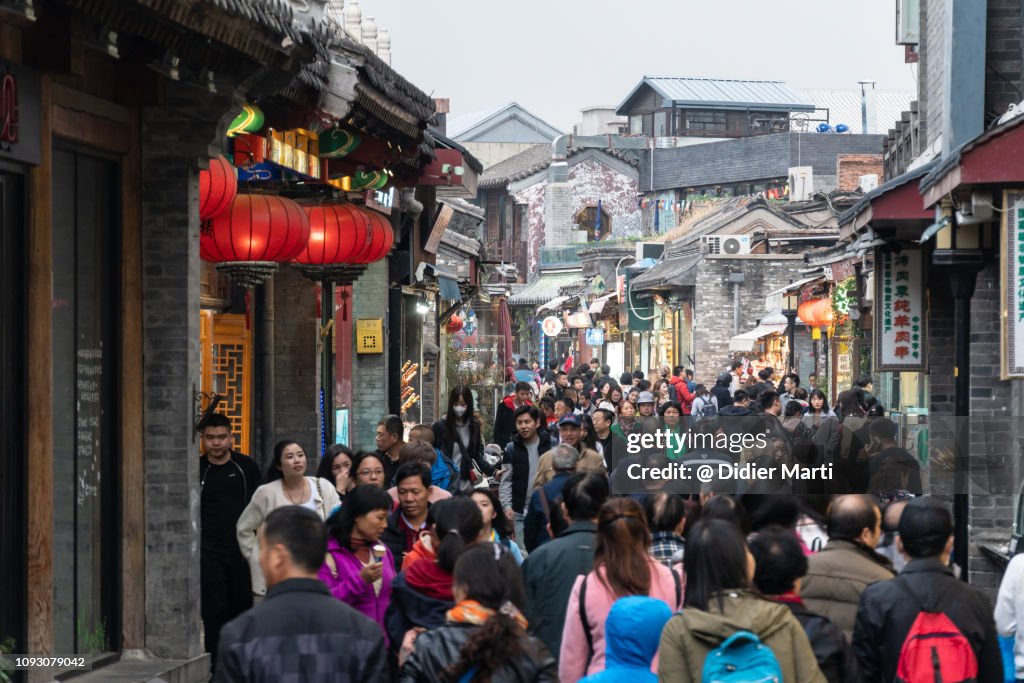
[[138, 670]]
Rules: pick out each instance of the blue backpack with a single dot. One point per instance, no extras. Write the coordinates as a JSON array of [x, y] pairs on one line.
[[742, 659]]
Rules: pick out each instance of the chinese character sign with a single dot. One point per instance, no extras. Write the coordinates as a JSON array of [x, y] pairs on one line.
[[900, 316], [1013, 285]]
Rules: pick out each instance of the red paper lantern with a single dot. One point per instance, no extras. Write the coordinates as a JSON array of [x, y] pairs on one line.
[[380, 241], [454, 324], [257, 227], [217, 188], [338, 233], [806, 313]]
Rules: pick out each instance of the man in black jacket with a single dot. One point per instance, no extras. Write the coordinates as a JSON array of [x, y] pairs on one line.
[[227, 480], [300, 632], [781, 564], [504, 418], [721, 390], [888, 609], [551, 570]]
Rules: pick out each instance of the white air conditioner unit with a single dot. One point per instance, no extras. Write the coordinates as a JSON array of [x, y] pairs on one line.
[[868, 182], [577, 236], [801, 183], [978, 210], [727, 245], [652, 250]]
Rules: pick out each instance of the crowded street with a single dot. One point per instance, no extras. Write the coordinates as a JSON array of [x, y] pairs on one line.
[[350, 340]]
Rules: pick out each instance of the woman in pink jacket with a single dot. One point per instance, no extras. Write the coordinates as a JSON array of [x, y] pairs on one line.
[[358, 568], [622, 566]]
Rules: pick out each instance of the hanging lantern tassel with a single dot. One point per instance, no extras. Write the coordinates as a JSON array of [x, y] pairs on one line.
[[248, 302]]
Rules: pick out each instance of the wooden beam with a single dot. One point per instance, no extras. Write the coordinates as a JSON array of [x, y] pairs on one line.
[[39, 392], [130, 442], [10, 43]]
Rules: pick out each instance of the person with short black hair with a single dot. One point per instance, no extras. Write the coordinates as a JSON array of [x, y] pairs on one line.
[[790, 383], [227, 481], [770, 404], [610, 445], [519, 463], [299, 632], [720, 600], [666, 518], [889, 609], [888, 454], [420, 451], [389, 439], [838, 575], [412, 516], [780, 565], [549, 570], [504, 417]]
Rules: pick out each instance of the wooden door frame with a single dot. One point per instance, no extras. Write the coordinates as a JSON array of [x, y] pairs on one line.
[[84, 119]]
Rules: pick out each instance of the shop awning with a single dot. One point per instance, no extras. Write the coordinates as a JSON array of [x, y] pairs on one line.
[[671, 273], [598, 304], [449, 288], [770, 324], [545, 287], [553, 304]]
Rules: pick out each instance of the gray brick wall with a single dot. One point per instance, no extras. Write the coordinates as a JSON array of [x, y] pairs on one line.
[[296, 399], [933, 37], [557, 214], [175, 137], [713, 310], [369, 371], [1003, 85]]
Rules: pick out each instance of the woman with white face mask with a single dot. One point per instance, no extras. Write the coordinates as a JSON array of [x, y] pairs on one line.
[[458, 436]]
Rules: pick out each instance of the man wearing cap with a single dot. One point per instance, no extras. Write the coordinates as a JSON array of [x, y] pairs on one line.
[[570, 428], [645, 418]]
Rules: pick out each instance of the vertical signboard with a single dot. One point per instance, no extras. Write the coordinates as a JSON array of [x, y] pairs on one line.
[[1012, 295], [901, 322]]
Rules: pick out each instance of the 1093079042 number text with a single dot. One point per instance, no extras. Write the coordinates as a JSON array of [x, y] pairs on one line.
[[29, 662]]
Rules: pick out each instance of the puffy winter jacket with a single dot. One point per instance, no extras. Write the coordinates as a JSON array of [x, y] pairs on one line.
[[683, 393], [888, 610], [439, 648], [837, 576], [633, 631], [409, 608], [692, 634]]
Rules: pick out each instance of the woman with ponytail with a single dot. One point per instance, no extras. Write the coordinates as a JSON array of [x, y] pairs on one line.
[[622, 566], [422, 594], [484, 636]]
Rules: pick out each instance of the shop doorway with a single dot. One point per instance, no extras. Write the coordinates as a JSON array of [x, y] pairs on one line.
[[86, 305], [13, 476]]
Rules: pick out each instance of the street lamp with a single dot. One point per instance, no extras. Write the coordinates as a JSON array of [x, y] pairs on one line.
[[960, 249], [791, 301]]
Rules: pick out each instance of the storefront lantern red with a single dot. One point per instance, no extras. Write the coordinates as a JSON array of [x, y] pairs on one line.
[[382, 237], [218, 187], [338, 233], [454, 324], [253, 236]]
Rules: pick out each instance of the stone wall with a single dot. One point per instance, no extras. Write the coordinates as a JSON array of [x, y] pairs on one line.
[[296, 374], [369, 371], [713, 306]]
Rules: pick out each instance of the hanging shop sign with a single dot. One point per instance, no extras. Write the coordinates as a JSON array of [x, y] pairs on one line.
[[900, 328], [551, 326], [578, 321], [381, 200], [267, 157], [19, 113], [1012, 294], [370, 335], [595, 337]]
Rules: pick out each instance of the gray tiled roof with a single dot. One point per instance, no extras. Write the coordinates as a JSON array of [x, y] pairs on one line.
[[724, 93], [527, 162]]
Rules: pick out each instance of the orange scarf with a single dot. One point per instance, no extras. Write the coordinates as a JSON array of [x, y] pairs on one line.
[[472, 612]]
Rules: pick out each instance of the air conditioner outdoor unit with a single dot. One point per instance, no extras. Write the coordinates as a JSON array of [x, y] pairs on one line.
[[868, 182], [978, 210], [578, 236], [728, 245], [649, 250], [801, 183]]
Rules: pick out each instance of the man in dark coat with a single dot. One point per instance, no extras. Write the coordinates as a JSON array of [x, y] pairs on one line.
[[538, 511], [781, 564], [550, 571], [504, 418], [721, 391], [300, 631], [889, 608]]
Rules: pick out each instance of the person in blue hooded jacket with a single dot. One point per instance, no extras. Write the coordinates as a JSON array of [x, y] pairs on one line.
[[631, 635]]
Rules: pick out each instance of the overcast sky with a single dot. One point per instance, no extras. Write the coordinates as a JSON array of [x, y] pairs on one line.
[[557, 56]]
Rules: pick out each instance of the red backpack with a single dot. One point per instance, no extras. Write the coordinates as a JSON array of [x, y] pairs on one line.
[[935, 651]]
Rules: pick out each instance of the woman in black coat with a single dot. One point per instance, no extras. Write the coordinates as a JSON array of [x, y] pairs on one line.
[[485, 633], [458, 436]]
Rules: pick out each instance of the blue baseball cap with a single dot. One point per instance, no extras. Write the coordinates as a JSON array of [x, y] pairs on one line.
[[573, 420]]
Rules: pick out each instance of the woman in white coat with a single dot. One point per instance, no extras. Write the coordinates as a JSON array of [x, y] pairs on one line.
[[285, 483]]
